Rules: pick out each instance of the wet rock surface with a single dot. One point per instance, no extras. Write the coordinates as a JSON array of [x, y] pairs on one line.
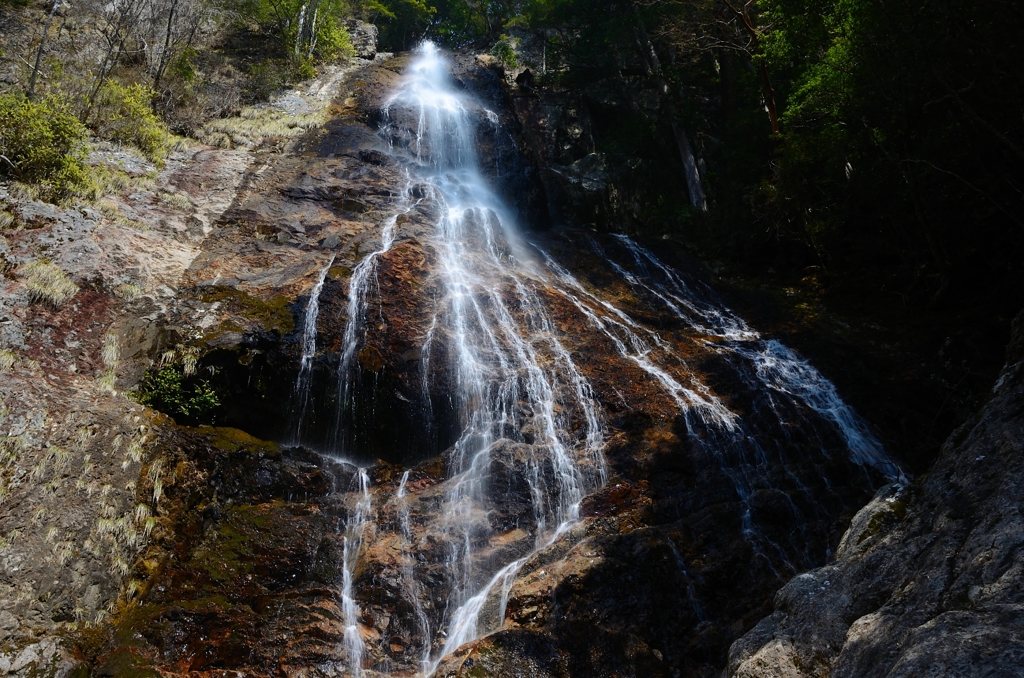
[[199, 550], [927, 577]]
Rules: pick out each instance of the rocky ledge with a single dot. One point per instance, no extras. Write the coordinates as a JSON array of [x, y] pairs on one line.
[[927, 580]]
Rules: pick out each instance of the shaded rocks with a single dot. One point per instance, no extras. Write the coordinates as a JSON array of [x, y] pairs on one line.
[[927, 578]]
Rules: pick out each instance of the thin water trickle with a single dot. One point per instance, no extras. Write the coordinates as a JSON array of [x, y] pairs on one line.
[[304, 380], [409, 574], [355, 530]]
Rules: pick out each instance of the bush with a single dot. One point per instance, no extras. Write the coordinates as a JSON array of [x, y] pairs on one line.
[[505, 51], [44, 144], [124, 115], [333, 42], [183, 397]]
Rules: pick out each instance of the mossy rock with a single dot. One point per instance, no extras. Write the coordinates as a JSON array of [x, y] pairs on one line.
[[884, 520], [235, 440], [273, 314], [340, 272], [124, 663]]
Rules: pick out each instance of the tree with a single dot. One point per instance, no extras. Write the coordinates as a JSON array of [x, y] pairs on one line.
[[42, 47]]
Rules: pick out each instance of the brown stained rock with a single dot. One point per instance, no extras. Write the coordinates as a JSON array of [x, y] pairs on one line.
[[250, 560]]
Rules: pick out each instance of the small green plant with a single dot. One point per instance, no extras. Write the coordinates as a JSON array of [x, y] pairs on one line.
[[6, 360], [47, 284], [505, 51], [124, 115], [169, 390], [6, 218], [128, 291], [304, 69], [44, 144]]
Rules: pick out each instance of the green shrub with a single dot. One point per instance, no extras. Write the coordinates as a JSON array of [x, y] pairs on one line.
[[184, 66], [44, 144], [304, 69], [183, 397], [123, 114], [333, 42], [505, 51]]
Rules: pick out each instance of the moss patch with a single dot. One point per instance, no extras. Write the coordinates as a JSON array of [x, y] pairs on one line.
[[884, 520], [235, 440], [273, 314]]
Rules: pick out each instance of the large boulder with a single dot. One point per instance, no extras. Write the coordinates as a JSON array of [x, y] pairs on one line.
[[364, 38]]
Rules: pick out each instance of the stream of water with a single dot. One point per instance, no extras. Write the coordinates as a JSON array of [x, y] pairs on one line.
[[522, 401]]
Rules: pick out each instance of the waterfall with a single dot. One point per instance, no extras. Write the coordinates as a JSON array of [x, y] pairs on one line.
[[516, 385], [526, 415], [777, 368], [304, 380], [352, 543], [408, 574]]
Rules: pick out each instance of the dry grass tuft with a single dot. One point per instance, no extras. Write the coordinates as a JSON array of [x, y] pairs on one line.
[[256, 123], [48, 284], [111, 350], [128, 291], [178, 201]]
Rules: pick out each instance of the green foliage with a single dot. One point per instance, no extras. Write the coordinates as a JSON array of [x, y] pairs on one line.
[[504, 50], [333, 42], [265, 78], [124, 114], [184, 65], [404, 23], [304, 68], [171, 392], [308, 30], [43, 144]]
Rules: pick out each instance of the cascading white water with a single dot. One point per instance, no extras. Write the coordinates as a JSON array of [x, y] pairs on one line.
[[422, 622], [521, 400], [791, 385], [305, 378], [352, 543], [511, 371], [357, 289], [777, 367]]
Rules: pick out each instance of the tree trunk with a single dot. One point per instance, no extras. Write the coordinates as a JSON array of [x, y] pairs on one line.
[[693, 185], [39, 53], [767, 90], [164, 59]]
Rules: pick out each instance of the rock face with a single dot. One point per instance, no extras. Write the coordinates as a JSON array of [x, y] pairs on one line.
[[188, 548], [364, 38], [927, 579]]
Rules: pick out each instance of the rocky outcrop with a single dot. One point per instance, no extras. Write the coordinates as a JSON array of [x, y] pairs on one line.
[[363, 37], [927, 578]]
